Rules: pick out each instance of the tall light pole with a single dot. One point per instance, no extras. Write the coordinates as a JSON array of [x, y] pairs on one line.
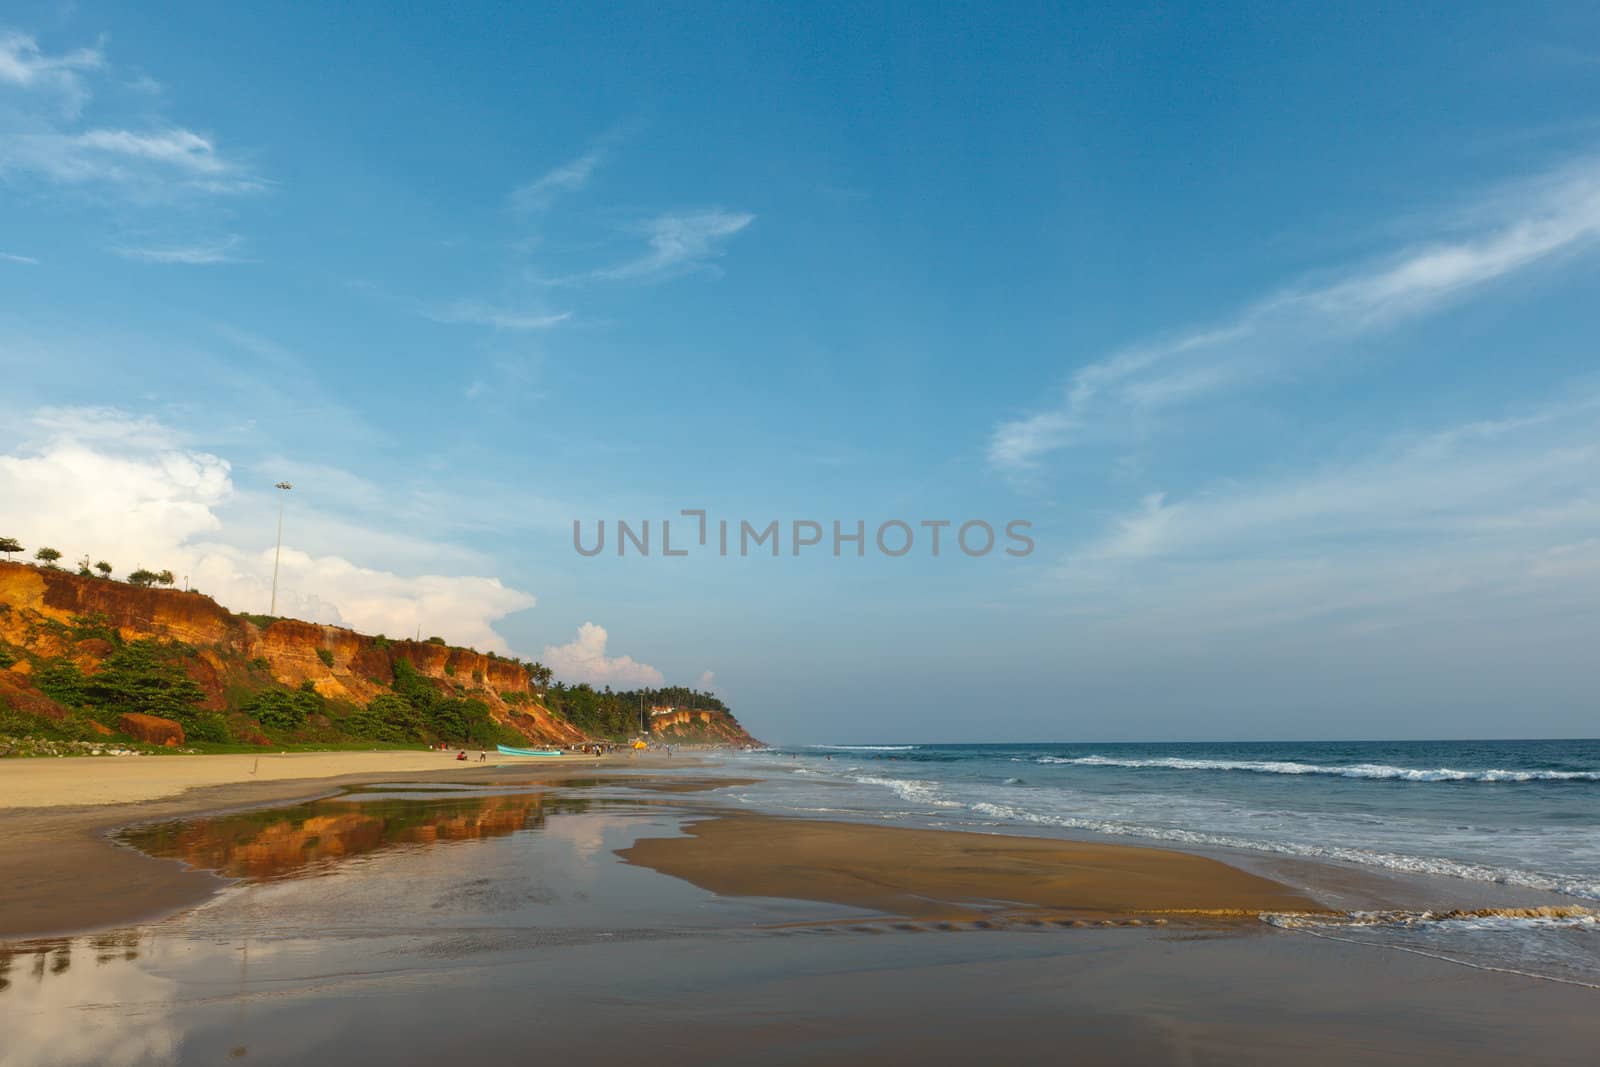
[[285, 486]]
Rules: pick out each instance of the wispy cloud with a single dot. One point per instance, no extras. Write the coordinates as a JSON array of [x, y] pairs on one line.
[[478, 313], [679, 242], [194, 254], [11, 257], [536, 196], [41, 132], [1463, 527], [24, 64], [1554, 215], [1535, 471], [136, 161]]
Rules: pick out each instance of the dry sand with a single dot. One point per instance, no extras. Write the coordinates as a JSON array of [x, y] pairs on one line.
[[940, 874], [79, 780]]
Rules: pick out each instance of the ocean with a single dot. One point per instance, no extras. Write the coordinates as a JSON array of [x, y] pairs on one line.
[[1458, 818]]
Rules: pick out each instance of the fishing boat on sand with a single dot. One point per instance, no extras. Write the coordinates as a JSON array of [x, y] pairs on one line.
[[507, 750]]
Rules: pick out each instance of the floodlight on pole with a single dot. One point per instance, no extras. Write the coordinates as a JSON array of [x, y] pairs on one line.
[[285, 486]]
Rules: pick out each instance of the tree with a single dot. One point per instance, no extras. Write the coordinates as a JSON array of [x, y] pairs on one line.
[[104, 568], [142, 578], [8, 545], [47, 556], [165, 578], [83, 567]]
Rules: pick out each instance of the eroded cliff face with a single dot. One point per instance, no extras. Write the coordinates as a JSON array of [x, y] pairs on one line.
[[696, 726], [43, 611]]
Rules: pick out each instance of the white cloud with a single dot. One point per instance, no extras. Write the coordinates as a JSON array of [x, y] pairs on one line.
[[148, 163], [584, 659], [1484, 520], [537, 195], [707, 680], [1556, 214], [12, 257], [131, 491], [23, 64], [679, 242], [478, 313], [1484, 476], [41, 133], [202, 253]]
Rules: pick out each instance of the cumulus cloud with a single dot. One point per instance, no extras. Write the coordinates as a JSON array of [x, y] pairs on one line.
[[707, 680], [130, 490], [584, 659]]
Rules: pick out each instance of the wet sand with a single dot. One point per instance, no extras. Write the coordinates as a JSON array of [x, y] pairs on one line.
[[62, 874], [540, 942], [938, 874]]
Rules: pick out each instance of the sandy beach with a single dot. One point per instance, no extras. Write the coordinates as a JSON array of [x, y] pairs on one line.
[[626, 905], [88, 780], [942, 875], [631, 909]]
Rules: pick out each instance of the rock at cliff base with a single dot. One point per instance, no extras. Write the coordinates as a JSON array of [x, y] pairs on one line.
[[151, 729]]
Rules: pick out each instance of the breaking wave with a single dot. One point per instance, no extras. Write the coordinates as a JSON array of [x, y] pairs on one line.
[[1380, 771], [1393, 861]]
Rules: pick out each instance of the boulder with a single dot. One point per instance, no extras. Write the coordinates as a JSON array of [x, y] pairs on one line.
[[151, 729]]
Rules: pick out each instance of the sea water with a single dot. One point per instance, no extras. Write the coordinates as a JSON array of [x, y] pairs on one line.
[[1524, 815]]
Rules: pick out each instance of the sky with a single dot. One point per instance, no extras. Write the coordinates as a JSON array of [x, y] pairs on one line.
[[1275, 325]]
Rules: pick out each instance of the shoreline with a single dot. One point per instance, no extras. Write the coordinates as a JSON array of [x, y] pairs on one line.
[[67, 876]]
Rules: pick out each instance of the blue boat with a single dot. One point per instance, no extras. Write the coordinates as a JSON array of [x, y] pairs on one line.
[[507, 750]]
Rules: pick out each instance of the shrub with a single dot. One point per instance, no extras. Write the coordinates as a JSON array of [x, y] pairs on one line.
[[61, 682], [84, 627], [389, 717], [208, 726], [326, 656], [436, 641], [279, 710]]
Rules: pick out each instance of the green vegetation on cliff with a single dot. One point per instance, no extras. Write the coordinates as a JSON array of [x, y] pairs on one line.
[[79, 655]]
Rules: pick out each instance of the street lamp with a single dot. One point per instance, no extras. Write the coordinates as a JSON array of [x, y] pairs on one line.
[[285, 486]]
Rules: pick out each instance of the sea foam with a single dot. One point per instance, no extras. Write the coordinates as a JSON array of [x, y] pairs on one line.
[[1380, 771]]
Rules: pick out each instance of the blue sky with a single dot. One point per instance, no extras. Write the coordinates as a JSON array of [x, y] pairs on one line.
[[1277, 325]]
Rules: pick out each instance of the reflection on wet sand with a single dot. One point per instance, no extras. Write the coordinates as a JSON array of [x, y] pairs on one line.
[[53, 956], [292, 842]]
